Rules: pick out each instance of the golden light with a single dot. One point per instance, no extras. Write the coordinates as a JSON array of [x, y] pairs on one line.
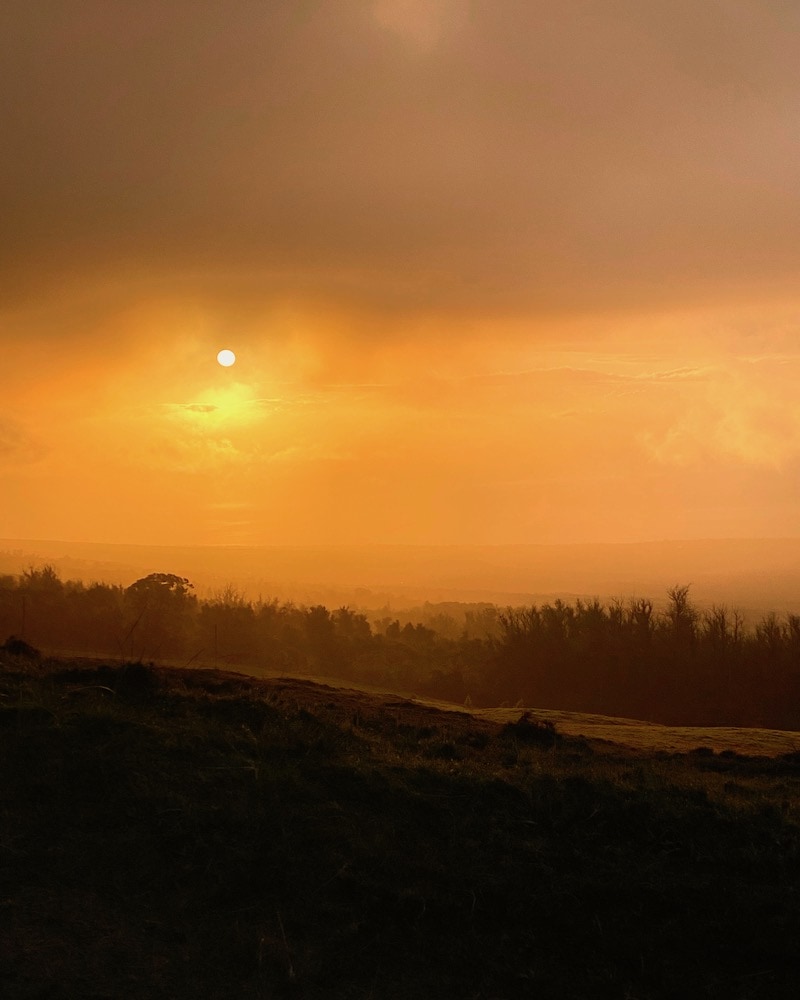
[[226, 358]]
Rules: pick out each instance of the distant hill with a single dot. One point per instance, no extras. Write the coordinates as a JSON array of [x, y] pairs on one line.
[[753, 574]]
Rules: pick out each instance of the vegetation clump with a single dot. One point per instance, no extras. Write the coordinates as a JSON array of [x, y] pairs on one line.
[[528, 729], [21, 649]]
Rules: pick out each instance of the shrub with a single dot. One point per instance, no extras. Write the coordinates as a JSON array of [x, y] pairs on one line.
[[529, 730]]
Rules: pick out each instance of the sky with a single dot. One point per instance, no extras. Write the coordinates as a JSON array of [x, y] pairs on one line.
[[494, 271]]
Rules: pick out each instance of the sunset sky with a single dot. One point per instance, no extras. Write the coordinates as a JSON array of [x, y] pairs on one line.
[[494, 270]]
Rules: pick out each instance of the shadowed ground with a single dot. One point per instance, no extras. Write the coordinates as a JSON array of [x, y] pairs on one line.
[[176, 834]]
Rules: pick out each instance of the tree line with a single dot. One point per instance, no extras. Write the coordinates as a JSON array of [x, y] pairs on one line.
[[679, 665]]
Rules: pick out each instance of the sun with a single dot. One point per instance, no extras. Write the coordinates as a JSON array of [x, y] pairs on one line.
[[226, 358]]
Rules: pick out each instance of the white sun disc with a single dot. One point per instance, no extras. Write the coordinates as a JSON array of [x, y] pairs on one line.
[[226, 358]]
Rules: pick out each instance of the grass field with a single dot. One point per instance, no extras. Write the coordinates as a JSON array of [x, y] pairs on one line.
[[186, 833], [635, 733]]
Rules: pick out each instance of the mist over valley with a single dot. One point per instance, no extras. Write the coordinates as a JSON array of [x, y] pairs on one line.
[[752, 575]]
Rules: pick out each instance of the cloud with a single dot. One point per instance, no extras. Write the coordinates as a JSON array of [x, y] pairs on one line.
[[483, 265], [421, 23], [18, 446], [744, 414], [674, 375], [548, 156]]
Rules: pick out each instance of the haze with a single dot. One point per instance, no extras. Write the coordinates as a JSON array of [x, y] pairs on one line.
[[493, 272]]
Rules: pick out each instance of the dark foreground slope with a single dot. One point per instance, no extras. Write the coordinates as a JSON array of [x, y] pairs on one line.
[[187, 834]]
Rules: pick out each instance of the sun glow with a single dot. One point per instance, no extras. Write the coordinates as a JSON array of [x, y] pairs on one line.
[[219, 405], [226, 358]]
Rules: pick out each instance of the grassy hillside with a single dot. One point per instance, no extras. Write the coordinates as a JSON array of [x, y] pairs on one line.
[[177, 833]]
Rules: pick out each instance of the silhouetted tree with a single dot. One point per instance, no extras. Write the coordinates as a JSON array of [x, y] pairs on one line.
[[160, 608], [226, 628]]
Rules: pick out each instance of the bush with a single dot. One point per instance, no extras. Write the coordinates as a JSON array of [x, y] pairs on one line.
[[526, 729], [20, 648]]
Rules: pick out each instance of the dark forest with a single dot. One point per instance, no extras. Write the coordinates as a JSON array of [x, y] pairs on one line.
[[679, 664]]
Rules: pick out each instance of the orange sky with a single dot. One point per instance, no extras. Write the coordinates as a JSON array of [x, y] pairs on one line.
[[494, 271]]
